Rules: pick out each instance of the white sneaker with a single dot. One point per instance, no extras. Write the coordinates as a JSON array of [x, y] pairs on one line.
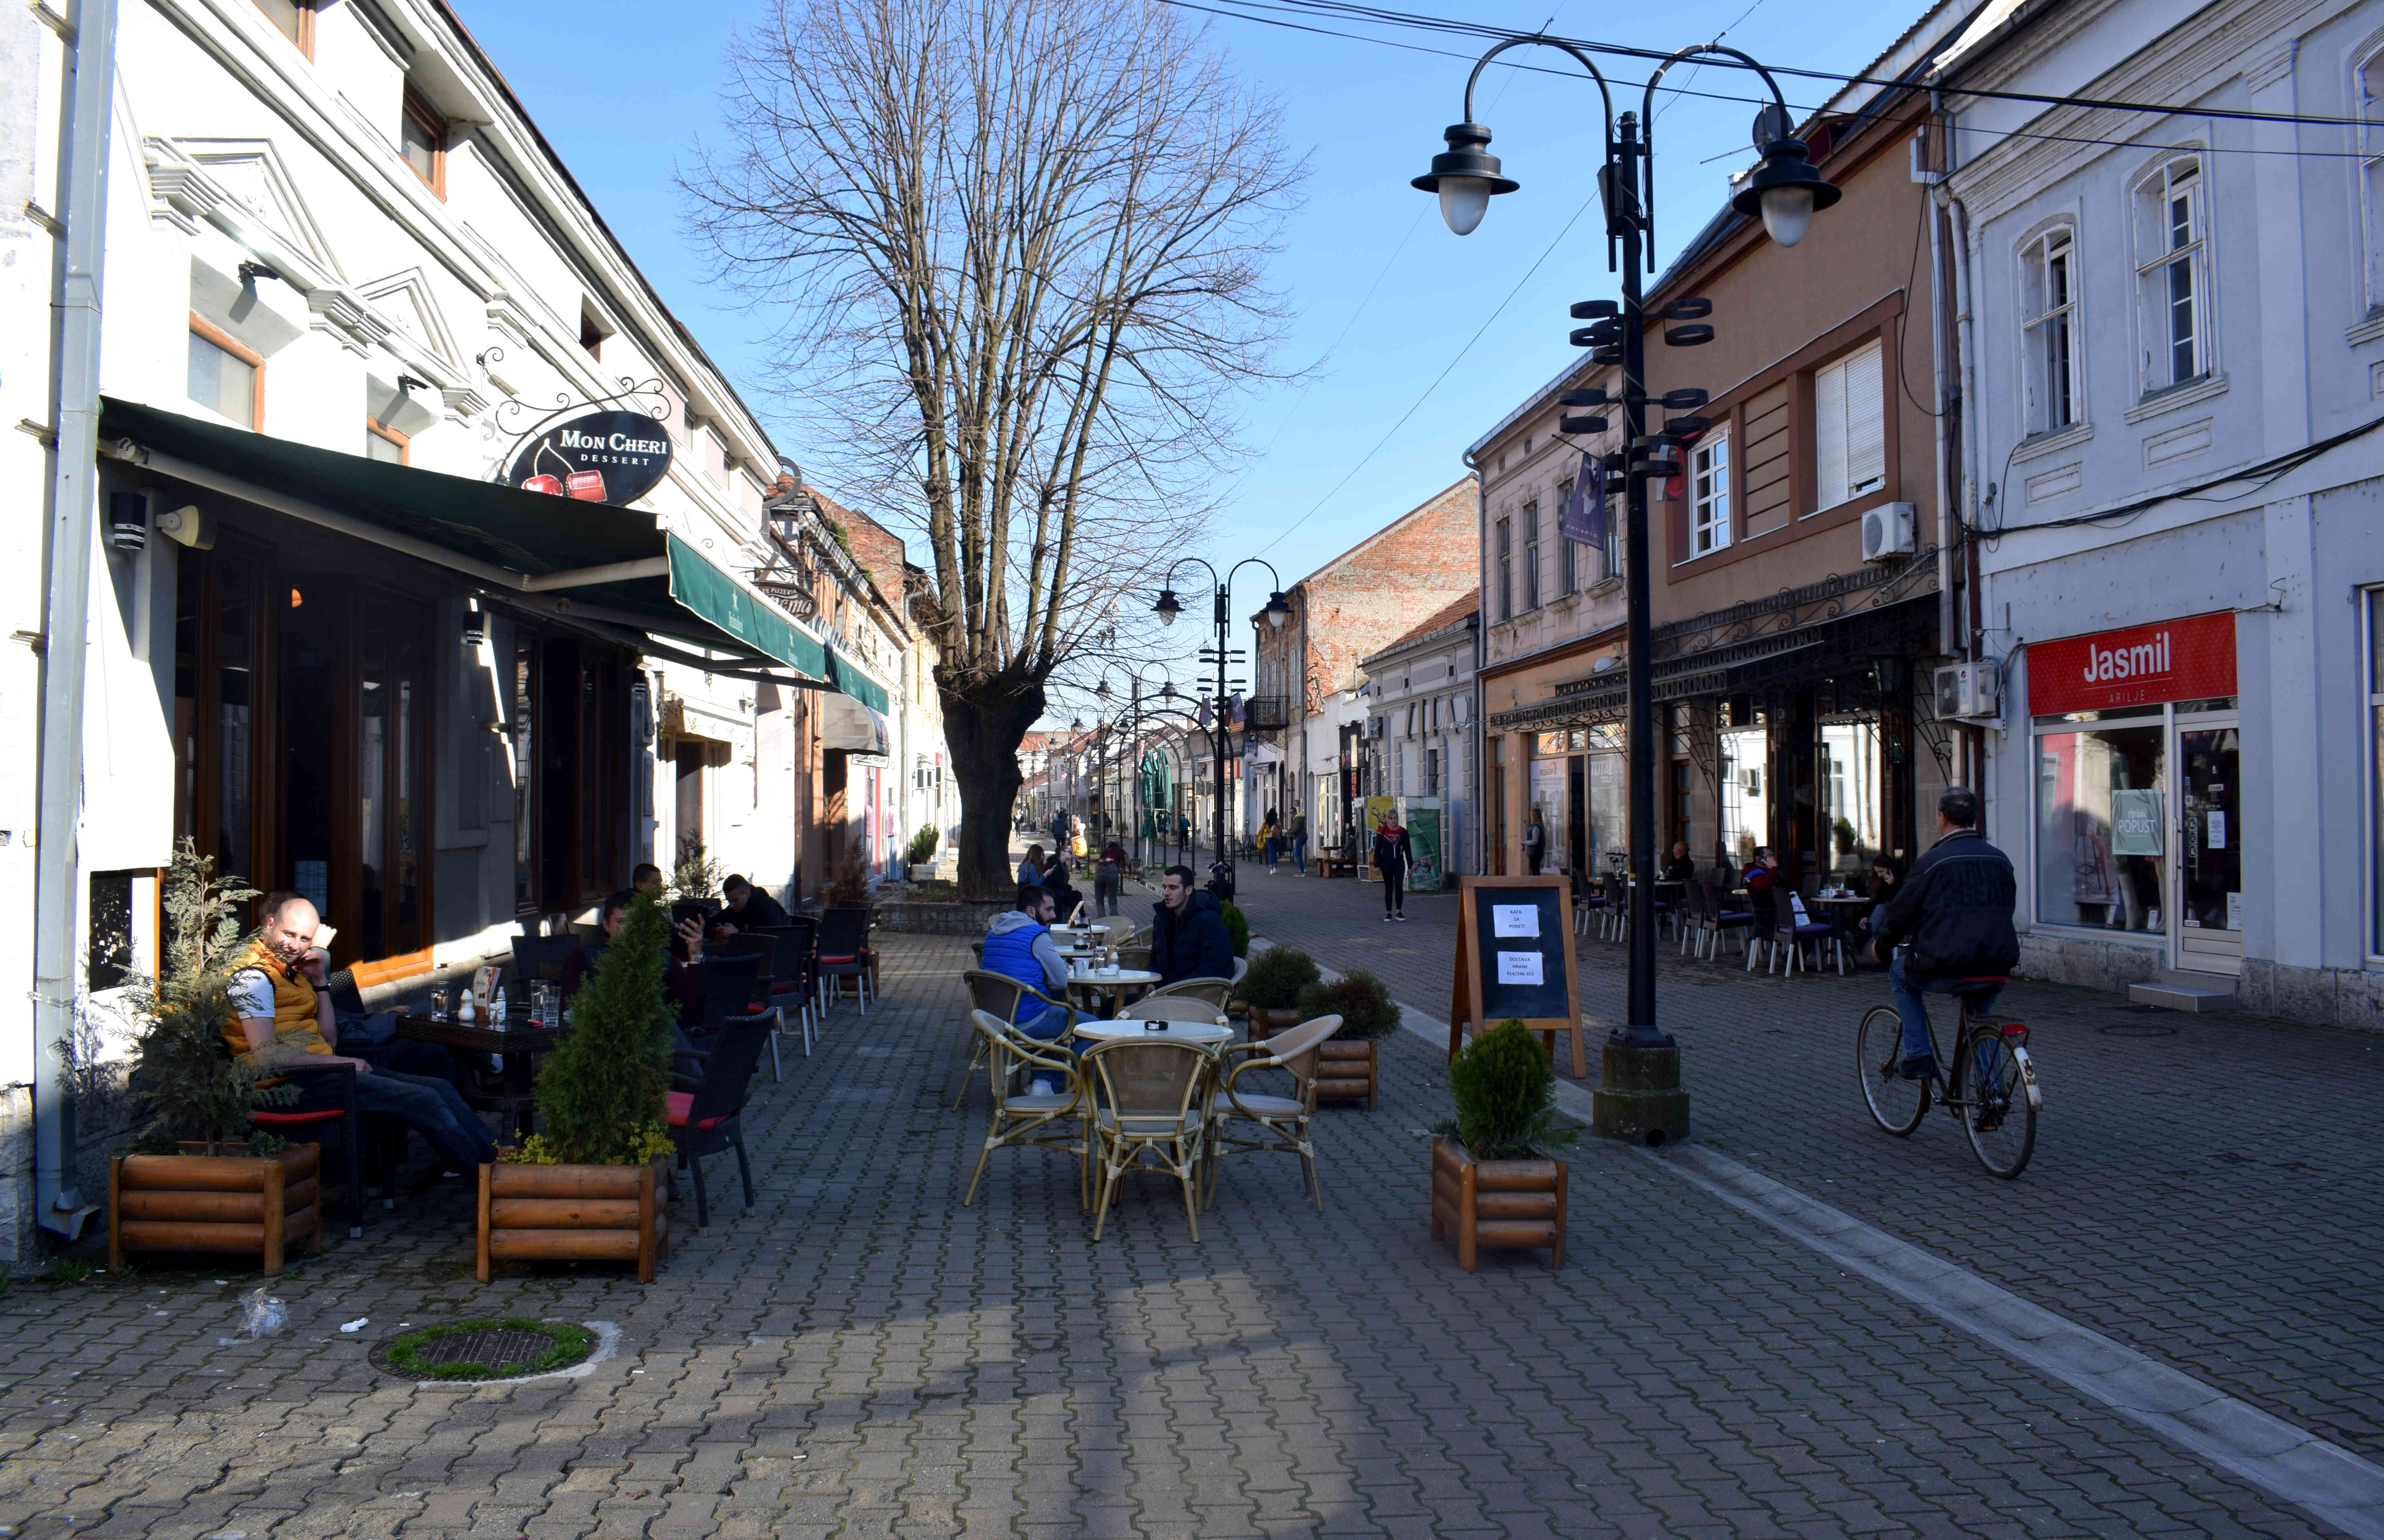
[[1043, 1084]]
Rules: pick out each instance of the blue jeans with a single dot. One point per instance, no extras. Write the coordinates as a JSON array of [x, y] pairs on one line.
[[431, 1107], [1299, 852], [1915, 1010]]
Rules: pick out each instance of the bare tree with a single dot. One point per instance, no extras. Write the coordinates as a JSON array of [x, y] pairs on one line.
[[1020, 248]]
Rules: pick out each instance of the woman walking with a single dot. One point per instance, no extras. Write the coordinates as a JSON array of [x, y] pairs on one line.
[[1267, 841], [1393, 856], [1109, 878]]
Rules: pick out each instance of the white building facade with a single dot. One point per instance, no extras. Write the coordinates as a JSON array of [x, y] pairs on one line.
[[1423, 735]]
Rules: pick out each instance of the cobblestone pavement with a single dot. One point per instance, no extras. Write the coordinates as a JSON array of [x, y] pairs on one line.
[[2204, 1189], [857, 1354]]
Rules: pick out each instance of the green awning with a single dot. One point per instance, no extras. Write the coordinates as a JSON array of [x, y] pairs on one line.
[[853, 682], [613, 565]]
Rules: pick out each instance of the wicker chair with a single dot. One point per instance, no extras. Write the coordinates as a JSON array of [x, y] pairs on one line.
[[1216, 991], [1169, 1008], [1032, 1119], [1277, 1122], [1151, 1118], [999, 996]]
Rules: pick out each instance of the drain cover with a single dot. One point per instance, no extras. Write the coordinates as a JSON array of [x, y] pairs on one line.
[[482, 1350], [2138, 1029]]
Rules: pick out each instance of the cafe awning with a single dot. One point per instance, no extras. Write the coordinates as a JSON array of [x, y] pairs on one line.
[[590, 562]]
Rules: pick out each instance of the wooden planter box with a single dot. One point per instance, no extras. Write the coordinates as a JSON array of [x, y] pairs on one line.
[[1500, 1203], [1343, 1071], [1266, 1020], [199, 1202], [573, 1213]]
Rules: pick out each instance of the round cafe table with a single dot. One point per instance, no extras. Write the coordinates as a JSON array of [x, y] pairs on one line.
[[1096, 987], [1209, 1035]]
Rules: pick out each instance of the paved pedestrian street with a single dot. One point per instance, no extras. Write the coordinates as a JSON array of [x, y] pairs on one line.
[[858, 1354]]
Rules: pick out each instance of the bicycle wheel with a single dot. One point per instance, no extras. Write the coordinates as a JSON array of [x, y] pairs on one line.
[[2000, 1119], [1896, 1103]]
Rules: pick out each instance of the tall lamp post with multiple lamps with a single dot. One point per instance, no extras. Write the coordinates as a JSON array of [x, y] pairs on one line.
[[1640, 1096], [1278, 610], [1131, 723]]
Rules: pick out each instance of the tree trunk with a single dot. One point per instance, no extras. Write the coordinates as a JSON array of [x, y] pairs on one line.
[[985, 720]]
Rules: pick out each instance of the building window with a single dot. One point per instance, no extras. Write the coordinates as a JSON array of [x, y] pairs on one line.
[[1709, 494], [591, 335], [1568, 549], [1531, 555], [1432, 772], [2050, 301], [422, 137], [1506, 571], [2371, 176], [1849, 428], [226, 377], [385, 444], [2375, 769], [2173, 274], [296, 21], [2101, 829]]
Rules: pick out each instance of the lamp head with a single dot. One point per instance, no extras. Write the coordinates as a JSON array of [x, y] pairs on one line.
[[1278, 610], [1785, 191], [1103, 690], [1168, 608], [1465, 176]]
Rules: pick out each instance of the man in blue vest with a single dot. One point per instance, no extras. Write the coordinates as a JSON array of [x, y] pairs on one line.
[[1018, 945]]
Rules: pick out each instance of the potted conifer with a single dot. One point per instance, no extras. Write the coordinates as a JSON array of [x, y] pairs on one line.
[[592, 1188], [1270, 990], [1492, 1180], [1345, 1063], [198, 1179]]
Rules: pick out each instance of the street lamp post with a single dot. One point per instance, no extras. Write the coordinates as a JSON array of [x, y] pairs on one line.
[[1278, 610], [1135, 718], [1640, 1096]]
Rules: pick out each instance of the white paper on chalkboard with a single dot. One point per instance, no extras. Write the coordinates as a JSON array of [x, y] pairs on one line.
[[1519, 967], [1515, 919]]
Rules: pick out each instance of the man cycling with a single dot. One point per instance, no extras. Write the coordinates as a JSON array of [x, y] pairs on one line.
[[1955, 909]]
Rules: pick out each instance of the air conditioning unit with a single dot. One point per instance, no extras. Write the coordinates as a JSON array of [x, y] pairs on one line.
[[1887, 532], [1970, 690]]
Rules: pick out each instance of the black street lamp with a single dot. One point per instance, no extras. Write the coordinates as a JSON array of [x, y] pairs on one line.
[[1277, 611], [1129, 726], [1640, 1096]]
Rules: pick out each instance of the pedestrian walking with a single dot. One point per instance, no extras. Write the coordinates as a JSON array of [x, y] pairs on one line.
[[1296, 831], [1109, 880], [1535, 842], [1267, 840], [1393, 856]]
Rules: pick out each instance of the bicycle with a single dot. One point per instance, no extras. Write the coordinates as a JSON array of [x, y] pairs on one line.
[[1998, 1113]]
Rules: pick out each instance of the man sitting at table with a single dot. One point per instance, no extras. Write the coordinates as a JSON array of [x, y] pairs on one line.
[[647, 878], [749, 908], [1681, 868], [281, 1004], [1188, 931], [1018, 944], [682, 981]]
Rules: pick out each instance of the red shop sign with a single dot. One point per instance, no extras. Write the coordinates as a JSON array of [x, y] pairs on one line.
[[2141, 666]]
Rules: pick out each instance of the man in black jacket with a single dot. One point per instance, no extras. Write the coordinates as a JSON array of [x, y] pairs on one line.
[[1955, 909], [1187, 931]]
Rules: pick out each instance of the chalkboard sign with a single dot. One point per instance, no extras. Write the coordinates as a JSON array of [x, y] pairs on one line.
[[1514, 958]]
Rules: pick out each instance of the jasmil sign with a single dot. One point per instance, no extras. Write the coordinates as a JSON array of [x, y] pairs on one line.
[[602, 457]]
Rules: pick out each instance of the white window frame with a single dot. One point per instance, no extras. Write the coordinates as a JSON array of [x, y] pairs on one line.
[[1532, 554], [1850, 426], [1709, 500], [2053, 383], [1505, 569], [2367, 90], [2170, 241]]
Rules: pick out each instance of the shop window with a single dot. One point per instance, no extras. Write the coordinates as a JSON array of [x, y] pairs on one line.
[[1851, 793], [1497, 788], [1531, 555], [2101, 850], [2376, 767], [224, 377], [422, 139], [1849, 428], [219, 636], [1746, 813], [385, 444], [124, 922], [1506, 571], [2049, 298], [2173, 274], [1709, 494], [296, 21]]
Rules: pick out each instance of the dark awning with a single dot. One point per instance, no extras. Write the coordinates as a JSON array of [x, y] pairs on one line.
[[591, 560]]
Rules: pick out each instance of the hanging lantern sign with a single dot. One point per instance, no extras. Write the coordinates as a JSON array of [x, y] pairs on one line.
[[600, 457]]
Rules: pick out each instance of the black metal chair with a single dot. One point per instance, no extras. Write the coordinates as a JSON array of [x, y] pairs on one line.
[[1725, 919], [352, 1137], [794, 972], [1787, 929], [541, 958], [728, 985], [705, 1113], [763, 945], [844, 953]]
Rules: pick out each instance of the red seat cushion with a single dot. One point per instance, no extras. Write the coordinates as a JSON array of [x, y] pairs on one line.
[[291, 1120], [846, 957], [677, 1105], [755, 1007]]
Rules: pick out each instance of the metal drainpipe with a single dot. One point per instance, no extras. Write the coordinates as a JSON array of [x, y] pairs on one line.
[[74, 490], [1931, 181], [1974, 740]]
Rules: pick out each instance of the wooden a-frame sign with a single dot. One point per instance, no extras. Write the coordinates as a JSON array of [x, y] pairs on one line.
[[1514, 958]]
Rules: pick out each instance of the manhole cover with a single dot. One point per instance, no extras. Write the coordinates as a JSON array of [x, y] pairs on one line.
[[2138, 1029], [483, 1350]]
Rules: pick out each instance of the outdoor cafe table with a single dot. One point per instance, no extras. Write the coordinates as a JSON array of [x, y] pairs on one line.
[[1206, 1035], [518, 1043], [1844, 911], [1097, 985]]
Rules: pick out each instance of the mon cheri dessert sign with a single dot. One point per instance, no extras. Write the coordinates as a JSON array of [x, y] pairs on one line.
[[2141, 665], [601, 457]]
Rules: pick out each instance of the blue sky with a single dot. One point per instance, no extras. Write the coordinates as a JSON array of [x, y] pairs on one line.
[[1386, 297]]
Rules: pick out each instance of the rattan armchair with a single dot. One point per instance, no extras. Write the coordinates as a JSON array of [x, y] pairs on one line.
[[1173, 1007], [1153, 1118], [1215, 991], [1001, 996], [1031, 1118], [1273, 1122]]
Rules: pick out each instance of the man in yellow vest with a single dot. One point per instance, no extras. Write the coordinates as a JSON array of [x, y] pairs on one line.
[[283, 998]]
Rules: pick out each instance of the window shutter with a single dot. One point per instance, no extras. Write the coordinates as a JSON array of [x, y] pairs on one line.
[[1830, 436], [1865, 423]]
